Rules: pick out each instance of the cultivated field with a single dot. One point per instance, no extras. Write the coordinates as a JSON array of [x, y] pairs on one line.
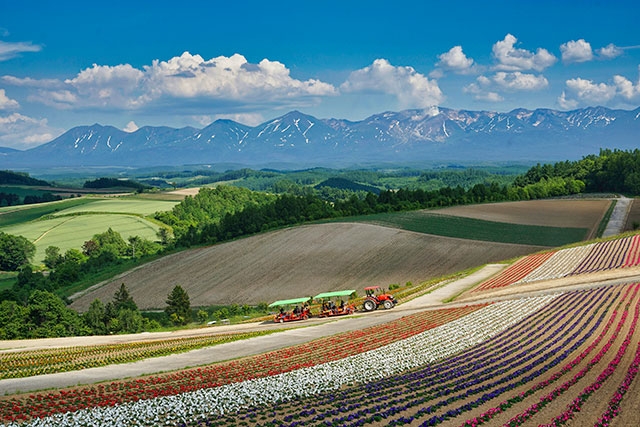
[[302, 261], [548, 213]]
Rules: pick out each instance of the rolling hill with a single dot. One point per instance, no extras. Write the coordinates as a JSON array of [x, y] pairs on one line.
[[305, 260]]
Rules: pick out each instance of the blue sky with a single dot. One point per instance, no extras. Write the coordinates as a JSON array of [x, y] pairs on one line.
[[135, 63]]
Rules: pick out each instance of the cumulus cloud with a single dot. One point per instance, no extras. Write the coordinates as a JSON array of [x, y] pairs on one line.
[[510, 58], [455, 60], [7, 103], [576, 51], [480, 94], [20, 131], [412, 89], [520, 81], [131, 127], [610, 51], [620, 91], [10, 50], [186, 78]]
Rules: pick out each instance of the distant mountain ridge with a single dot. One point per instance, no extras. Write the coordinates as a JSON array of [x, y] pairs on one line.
[[418, 135]]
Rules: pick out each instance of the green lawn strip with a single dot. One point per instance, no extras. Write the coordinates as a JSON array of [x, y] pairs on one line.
[[475, 229], [48, 361]]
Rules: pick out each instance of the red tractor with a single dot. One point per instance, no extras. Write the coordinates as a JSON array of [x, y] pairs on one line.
[[376, 297]]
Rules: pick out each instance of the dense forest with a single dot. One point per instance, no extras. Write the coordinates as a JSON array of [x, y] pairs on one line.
[[226, 212]]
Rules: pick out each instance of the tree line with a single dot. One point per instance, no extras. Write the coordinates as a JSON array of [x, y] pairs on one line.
[[45, 315]]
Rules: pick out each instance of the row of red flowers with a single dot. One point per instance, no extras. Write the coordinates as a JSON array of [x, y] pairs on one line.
[[322, 350]]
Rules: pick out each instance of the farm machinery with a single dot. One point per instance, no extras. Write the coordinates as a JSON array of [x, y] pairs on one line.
[[329, 306], [300, 310], [376, 297]]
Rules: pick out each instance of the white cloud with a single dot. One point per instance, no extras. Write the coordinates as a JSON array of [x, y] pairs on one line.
[[10, 50], [219, 81], [619, 92], [131, 127], [576, 51], [567, 103], [589, 91], [455, 60], [520, 81], [610, 51], [33, 83], [481, 90], [582, 91], [232, 78], [627, 89], [7, 103], [412, 89], [510, 58], [22, 132]]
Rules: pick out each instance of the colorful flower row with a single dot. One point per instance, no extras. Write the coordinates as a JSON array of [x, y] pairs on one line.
[[486, 371], [595, 257], [424, 348], [325, 349], [20, 364], [516, 272], [548, 398]]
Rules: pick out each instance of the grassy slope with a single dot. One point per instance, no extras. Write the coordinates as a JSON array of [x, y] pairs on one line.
[[70, 223], [476, 229]]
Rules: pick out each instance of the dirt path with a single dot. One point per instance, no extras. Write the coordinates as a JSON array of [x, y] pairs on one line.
[[618, 217], [295, 334]]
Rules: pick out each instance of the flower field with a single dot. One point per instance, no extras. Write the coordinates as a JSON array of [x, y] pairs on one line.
[[19, 364], [25, 407], [550, 360], [595, 257]]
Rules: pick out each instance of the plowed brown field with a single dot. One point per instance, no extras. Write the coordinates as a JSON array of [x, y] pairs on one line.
[[302, 261], [551, 213]]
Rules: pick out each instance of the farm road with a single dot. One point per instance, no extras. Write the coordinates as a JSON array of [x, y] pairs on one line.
[[308, 331], [618, 217]]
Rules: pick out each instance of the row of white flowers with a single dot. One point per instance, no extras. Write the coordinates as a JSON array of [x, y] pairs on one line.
[[561, 264], [421, 349]]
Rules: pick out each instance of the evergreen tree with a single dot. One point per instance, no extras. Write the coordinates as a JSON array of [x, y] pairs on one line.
[[122, 300], [178, 306]]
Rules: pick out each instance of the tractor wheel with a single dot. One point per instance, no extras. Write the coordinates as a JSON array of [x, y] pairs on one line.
[[369, 305], [387, 304]]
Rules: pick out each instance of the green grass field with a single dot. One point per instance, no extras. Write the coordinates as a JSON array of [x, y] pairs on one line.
[[70, 223], [475, 229], [11, 215]]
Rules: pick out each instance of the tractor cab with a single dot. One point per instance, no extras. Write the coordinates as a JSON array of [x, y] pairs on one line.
[[291, 310], [376, 297], [333, 303]]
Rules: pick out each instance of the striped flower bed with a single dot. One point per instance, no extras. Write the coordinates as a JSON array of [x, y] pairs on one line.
[[515, 272], [592, 258], [422, 349]]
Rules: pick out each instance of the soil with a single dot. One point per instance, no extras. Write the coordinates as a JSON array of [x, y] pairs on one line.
[[301, 261]]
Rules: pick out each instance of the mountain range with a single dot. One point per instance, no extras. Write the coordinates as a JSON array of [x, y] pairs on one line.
[[296, 139]]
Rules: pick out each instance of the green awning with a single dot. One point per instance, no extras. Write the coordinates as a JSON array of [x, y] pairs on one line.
[[345, 293], [290, 301]]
